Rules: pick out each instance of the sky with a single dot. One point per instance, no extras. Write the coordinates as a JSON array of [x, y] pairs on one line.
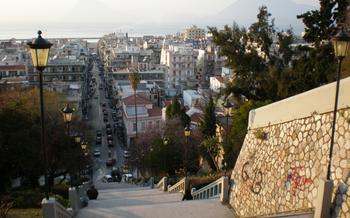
[[23, 15]]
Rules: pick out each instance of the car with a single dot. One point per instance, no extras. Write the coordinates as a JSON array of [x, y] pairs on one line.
[[104, 104], [108, 125], [110, 143], [115, 119], [97, 152], [126, 154], [105, 119], [110, 162], [99, 133], [109, 131], [107, 178], [98, 140], [127, 176]]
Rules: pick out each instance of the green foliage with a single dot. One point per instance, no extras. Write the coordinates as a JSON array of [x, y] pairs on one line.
[[21, 152], [174, 110], [208, 125], [211, 146], [25, 199], [134, 79], [321, 24], [239, 130]]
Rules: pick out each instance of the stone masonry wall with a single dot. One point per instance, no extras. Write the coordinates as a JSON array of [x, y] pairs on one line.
[[280, 166]]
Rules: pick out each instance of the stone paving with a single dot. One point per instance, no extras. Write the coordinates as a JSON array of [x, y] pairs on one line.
[[140, 202]]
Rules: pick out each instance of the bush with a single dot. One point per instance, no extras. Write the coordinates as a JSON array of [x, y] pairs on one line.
[[25, 199], [63, 201]]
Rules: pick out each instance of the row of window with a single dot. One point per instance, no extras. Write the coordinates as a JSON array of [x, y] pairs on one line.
[[12, 73], [150, 124]]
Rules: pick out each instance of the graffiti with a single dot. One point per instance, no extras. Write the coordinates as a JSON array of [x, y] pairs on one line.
[[295, 182], [252, 178]]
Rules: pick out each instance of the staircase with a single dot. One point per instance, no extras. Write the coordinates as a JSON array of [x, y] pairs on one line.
[[125, 200]]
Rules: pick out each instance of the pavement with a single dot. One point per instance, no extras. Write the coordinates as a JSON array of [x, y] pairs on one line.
[[137, 202]]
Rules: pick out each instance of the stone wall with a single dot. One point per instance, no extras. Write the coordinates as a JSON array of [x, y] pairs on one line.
[[281, 163]]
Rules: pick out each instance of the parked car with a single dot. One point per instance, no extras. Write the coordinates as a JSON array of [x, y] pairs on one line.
[[109, 131], [97, 152], [110, 162], [107, 178], [105, 119], [126, 154], [110, 137], [108, 125], [104, 104], [99, 133], [110, 143]]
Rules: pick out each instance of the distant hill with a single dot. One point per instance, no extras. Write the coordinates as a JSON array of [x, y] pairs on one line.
[[244, 13]]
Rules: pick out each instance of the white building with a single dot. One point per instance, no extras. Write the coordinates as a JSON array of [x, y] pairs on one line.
[[216, 83], [180, 62], [194, 33], [148, 116], [191, 98]]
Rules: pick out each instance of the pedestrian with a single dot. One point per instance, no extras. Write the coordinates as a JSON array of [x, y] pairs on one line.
[[92, 193]]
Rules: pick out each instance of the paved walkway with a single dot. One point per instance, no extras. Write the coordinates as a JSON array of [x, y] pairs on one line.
[[140, 202]]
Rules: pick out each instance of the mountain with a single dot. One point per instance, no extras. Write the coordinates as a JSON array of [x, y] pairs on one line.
[[244, 12]]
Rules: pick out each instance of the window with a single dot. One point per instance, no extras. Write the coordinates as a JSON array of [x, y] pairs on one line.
[[149, 124], [143, 125], [157, 124], [134, 127]]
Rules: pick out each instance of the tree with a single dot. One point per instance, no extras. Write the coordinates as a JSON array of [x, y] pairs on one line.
[[21, 153], [239, 130], [174, 110], [321, 25], [208, 125], [210, 144], [134, 79]]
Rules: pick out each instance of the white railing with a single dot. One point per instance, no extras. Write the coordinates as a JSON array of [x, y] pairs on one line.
[[218, 188], [52, 209], [180, 186], [163, 184]]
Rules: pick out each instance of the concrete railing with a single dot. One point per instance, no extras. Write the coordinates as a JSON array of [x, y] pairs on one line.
[[217, 188], [52, 209], [163, 184], [180, 186]]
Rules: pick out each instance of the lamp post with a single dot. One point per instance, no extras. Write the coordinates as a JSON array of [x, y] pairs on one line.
[[39, 50], [84, 147], [165, 143], [341, 45], [67, 116], [227, 109], [187, 135]]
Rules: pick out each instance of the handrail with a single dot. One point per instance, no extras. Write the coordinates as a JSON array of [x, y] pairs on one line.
[[180, 186], [212, 190], [163, 183], [53, 209]]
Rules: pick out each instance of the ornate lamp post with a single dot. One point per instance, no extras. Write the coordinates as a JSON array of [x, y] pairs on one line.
[[187, 135], [341, 43], [67, 116], [39, 50], [227, 110]]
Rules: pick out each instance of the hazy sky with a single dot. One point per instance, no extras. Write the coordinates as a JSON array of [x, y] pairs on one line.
[[25, 15], [33, 11]]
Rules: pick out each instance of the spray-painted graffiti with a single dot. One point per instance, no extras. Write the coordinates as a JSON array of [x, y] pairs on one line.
[[295, 182], [252, 177]]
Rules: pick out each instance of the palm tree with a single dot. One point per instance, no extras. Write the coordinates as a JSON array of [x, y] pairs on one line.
[[134, 79]]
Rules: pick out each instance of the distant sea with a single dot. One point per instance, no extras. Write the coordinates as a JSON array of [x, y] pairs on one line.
[[68, 33]]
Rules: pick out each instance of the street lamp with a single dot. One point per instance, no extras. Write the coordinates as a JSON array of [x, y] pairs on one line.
[[67, 115], [77, 139], [39, 50], [187, 135], [341, 45], [165, 143], [227, 111]]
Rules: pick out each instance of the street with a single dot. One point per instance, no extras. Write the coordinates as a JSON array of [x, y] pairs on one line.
[[97, 123]]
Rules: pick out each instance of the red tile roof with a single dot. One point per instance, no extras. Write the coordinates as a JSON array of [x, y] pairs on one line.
[[13, 67], [155, 111], [220, 79], [139, 100], [197, 117]]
